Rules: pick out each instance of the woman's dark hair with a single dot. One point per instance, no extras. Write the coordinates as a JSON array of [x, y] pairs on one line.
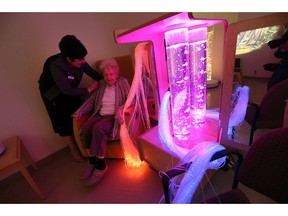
[[71, 47]]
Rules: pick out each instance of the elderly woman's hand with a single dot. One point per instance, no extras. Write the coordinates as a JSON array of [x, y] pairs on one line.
[[76, 116], [119, 116]]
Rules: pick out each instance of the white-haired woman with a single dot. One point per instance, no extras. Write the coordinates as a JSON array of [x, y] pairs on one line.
[[106, 105]]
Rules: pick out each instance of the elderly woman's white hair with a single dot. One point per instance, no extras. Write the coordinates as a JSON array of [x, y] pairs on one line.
[[109, 63]]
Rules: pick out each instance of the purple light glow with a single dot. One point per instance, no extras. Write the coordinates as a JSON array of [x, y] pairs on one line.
[[179, 79], [186, 66], [197, 63], [154, 31]]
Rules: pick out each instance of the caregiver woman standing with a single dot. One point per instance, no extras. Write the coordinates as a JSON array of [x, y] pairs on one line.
[[58, 85]]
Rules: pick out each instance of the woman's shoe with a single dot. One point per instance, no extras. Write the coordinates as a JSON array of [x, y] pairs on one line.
[[96, 177], [88, 172]]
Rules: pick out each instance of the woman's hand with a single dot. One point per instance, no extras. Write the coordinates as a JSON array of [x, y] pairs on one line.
[[119, 116], [76, 116], [93, 86]]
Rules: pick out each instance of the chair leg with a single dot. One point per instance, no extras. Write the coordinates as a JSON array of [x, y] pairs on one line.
[[251, 136], [27, 155], [239, 77], [30, 180]]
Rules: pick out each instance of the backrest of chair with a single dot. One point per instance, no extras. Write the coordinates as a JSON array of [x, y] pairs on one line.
[[265, 166], [273, 105], [126, 66]]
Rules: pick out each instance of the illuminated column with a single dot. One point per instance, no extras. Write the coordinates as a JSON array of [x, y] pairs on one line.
[[198, 73], [210, 35], [179, 79]]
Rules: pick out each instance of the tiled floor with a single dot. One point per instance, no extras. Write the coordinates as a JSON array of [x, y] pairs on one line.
[[58, 177]]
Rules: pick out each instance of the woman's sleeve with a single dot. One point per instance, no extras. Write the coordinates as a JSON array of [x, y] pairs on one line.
[[87, 106], [63, 84], [92, 73]]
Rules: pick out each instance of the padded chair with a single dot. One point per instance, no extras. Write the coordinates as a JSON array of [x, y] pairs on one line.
[[269, 114], [114, 149], [263, 169]]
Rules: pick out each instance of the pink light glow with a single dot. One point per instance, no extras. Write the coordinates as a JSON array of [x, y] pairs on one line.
[[177, 50], [154, 31], [197, 51], [186, 66]]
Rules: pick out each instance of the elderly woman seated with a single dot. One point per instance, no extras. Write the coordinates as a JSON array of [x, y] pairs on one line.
[[106, 105]]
